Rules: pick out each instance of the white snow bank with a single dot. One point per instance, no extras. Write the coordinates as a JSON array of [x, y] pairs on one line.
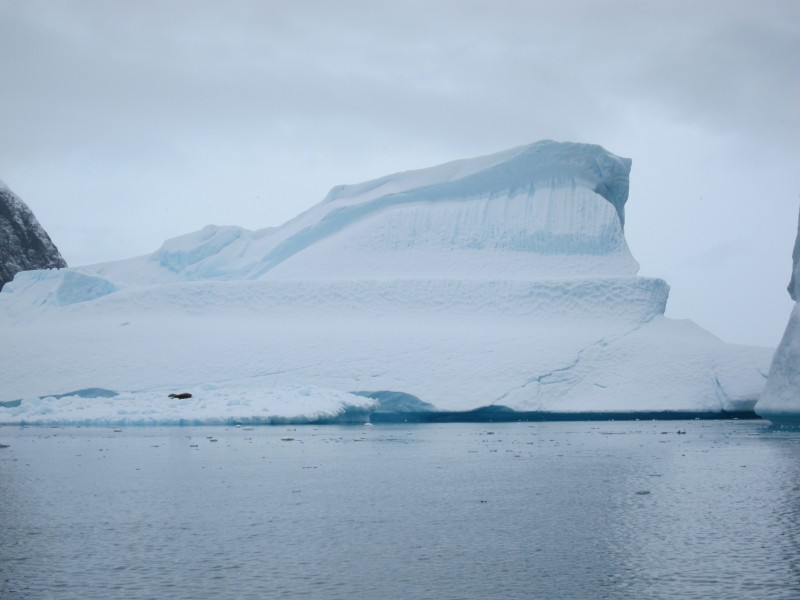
[[227, 404]]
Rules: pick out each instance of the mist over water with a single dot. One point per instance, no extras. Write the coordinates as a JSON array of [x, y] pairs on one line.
[[460, 510]]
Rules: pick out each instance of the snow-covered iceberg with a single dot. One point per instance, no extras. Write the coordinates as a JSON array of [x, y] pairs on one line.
[[780, 402], [501, 283]]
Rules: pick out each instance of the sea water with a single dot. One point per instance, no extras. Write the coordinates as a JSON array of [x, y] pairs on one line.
[[637, 509]]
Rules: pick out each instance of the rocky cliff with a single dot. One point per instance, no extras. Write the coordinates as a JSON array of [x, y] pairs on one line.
[[24, 244]]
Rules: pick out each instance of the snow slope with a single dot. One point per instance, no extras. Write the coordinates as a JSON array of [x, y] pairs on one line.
[[780, 401], [499, 281]]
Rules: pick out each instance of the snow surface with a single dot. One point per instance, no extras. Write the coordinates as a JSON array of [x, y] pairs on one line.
[[498, 281], [780, 401], [209, 405]]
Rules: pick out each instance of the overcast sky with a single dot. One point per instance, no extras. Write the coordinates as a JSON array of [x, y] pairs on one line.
[[127, 123]]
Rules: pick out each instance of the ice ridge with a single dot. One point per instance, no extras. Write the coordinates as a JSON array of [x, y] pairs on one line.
[[546, 163]]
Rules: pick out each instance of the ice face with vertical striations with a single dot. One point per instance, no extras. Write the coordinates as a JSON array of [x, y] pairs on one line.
[[780, 402], [503, 282], [544, 210]]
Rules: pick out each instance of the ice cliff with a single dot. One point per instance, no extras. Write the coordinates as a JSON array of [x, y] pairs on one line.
[[780, 402], [498, 283], [24, 244]]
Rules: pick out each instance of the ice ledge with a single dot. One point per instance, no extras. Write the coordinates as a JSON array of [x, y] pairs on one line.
[[631, 299]]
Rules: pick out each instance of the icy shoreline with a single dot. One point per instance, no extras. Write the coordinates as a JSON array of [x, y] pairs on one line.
[[358, 418], [119, 411]]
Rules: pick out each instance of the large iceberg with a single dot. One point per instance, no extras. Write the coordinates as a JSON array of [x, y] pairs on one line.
[[780, 402], [502, 283]]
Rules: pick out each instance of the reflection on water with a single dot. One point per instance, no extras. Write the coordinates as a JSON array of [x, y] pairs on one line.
[[718, 519], [516, 510], [786, 512]]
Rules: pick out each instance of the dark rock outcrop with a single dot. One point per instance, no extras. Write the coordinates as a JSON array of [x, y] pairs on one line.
[[24, 244]]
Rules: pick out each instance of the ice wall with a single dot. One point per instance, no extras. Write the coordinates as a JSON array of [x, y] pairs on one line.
[[780, 402]]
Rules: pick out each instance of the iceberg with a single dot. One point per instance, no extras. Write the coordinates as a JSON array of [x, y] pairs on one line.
[[780, 402], [502, 283]]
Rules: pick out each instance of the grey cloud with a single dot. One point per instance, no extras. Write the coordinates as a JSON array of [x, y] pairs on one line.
[[249, 111]]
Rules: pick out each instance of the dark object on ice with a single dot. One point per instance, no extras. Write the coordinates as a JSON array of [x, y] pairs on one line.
[[3, 445], [182, 396], [25, 243]]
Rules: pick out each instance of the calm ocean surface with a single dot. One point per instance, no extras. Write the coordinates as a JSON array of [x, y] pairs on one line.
[[516, 510]]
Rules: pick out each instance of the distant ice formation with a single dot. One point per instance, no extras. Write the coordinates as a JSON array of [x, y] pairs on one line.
[[780, 402], [501, 283]]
